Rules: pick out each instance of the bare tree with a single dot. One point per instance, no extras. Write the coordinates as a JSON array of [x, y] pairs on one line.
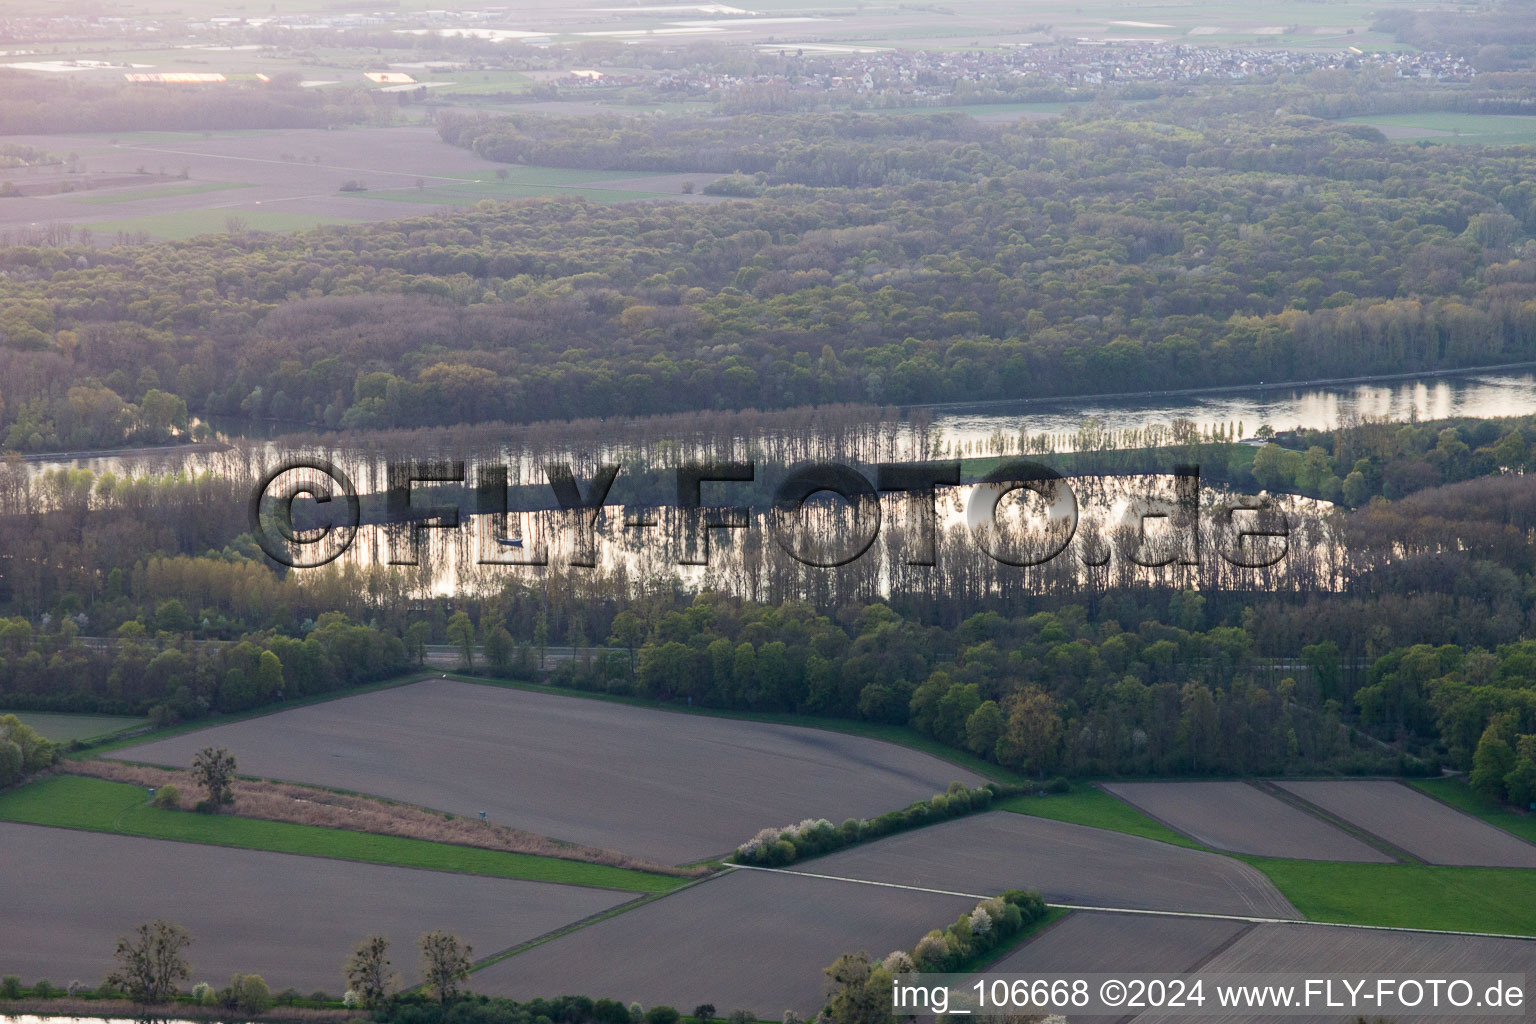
[[368, 971], [444, 963], [150, 962]]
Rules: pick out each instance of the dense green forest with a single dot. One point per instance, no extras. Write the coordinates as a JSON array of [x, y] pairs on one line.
[[888, 259]]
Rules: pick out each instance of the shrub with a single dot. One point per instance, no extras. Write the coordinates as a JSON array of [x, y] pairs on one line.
[[206, 807], [931, 951], [662, 1015], [609, 1011], [350, 999], [736, 185], [75, 988], [1030, 904], [779, 846], [203, 994], [168, 798], [10, 987], [44, 989], [1058, 785], [249, 993]]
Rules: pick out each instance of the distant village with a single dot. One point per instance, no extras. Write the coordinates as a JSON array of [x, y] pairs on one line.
[[918, 73], [802, 71]]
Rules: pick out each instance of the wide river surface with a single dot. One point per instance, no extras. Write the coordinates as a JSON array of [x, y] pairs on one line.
[[1319, 407], [1322, 406]]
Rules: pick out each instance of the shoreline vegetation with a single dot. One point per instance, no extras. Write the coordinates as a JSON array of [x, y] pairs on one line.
[[309, 434]]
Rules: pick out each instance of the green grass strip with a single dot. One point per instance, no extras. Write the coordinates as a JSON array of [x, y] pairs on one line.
[[1459, 795], [1093, 807], [167, 191], [96, 805], [1408, 895]]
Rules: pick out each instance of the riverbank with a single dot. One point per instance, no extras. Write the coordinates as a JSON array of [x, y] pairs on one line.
[[1232, 389]]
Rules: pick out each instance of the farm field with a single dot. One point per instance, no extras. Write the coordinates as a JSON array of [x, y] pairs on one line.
[[1414, 822], [100, 806], [290, 179], [1408, 895], [113, 198], [1457, 793], [1237, 817], [1072, 864], [1094, 942], [656, 784], [1447, 126], [62, 728], [292, 920], [749, 940], [1096, 808], [1304, 948], [1091, 941], [191, 223]]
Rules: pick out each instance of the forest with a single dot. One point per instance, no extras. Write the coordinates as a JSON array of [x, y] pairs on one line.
[[887, 260], [1417, 655], [846, 266]]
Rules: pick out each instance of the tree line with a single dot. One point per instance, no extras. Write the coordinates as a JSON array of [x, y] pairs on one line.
[[890, 260]]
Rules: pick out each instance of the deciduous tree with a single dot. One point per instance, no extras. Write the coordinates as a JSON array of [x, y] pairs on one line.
[[444, 963], [150, 962]]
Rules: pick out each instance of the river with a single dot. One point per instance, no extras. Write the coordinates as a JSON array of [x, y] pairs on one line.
[[975, 427], [1319, 407]]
